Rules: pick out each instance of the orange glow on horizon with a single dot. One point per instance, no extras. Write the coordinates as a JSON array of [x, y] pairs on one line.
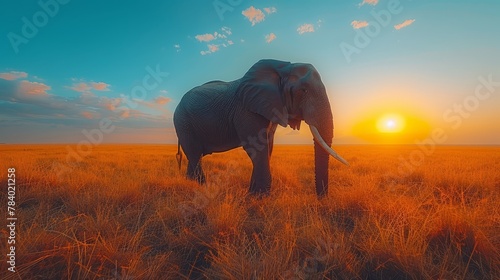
[[391, 127], [391, 123]]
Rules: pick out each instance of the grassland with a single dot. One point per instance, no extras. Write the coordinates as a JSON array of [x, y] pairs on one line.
[[125, 212]]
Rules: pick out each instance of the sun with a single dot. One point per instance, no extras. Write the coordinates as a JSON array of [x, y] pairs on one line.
[[390, 123]]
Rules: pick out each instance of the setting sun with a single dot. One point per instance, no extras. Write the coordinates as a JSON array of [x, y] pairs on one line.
[[390, 123], [391, 126]]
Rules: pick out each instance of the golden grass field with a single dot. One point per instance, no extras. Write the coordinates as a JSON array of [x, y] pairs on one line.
[[125, 212]]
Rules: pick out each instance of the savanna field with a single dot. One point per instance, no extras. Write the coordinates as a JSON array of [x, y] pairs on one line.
[[126, 212]]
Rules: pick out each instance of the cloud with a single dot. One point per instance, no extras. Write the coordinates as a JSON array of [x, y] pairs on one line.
[[205, 37], [162, 100], [84, 87], [13, 75], [404, 24], [81, 87], [226, 30], [87, 115], [28, 105], [28, 94], [218, 39], [213, 48], [125, 114], [177, 47], [110, 103], [33, 88], [270, 10], [254, 15], [91, 100], [369, 2], [100, 86], [305, 28], [359, 24], [157, 105], [270, 37]]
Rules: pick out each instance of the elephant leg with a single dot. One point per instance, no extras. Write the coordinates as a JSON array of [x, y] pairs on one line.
[[260, 184], [253, 131], [194, 170], [194, 153], [259, 152]]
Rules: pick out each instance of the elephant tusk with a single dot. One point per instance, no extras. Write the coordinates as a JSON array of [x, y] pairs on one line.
[[319, 139]]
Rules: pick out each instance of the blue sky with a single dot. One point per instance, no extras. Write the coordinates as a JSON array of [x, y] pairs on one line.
[[66, 68]]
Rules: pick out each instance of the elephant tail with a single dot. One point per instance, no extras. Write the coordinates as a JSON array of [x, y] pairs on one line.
[[179, 155]]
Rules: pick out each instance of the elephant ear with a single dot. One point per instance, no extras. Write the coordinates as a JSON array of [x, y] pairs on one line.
[[261, 90]]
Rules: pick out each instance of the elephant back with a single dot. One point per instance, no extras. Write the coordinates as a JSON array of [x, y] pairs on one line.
[[206, 114], [213, 95]]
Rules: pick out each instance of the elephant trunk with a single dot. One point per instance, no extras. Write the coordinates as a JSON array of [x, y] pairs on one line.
[[322, 131], [321, 157]]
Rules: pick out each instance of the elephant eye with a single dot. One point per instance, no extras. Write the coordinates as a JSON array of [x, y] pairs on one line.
[[304, 90]]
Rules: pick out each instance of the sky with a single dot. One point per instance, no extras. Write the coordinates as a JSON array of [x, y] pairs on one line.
[[399, 72]]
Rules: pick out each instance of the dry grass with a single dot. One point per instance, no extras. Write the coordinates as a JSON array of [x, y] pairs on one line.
[[125, 212]]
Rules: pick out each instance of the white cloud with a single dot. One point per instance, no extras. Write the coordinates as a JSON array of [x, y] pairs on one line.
[[369, 2], [205, 37], [33, 88], [13, 75], [270, 10], [177, 47], [218, 39], [254, 15], [270, 37], [359, 24], [110, 103], [100, 86], [213, 48], [305, 28], [84, 87], [404, 24], [87, 115], [35, 100], [226, 30], [81, 87], [162, 100], [220, 36]]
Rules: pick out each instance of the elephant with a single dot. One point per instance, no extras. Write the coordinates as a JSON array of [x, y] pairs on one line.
[[219, 116]]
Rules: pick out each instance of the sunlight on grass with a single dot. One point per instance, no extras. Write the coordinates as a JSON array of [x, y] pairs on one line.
[[125, 212]]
